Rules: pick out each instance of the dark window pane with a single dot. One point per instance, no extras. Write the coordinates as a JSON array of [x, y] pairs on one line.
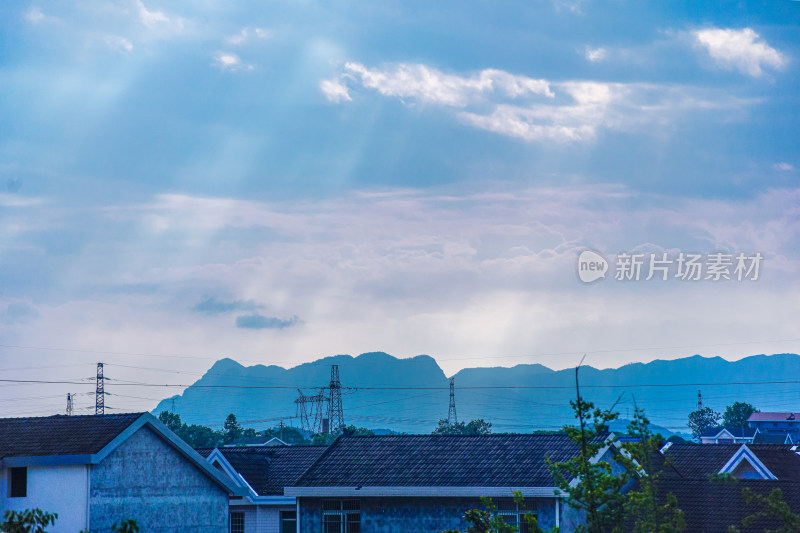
[[332, 505], [332, 523], [19, 482], [351, 505], [237, 522]]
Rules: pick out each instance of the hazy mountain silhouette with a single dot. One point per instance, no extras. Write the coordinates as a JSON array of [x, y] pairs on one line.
[[509, 409]]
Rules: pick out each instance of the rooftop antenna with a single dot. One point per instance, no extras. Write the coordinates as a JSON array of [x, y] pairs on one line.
[[452, 418], [99, 395]]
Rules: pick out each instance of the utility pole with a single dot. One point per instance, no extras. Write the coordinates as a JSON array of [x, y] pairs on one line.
[[281, 425], [69, 404], [99, 394], [452, 418], [335, 412]]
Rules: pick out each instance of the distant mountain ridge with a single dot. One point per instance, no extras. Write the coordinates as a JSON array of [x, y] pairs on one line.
[[419, 396]]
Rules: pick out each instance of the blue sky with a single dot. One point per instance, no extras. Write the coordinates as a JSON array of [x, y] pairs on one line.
[[280, 181]]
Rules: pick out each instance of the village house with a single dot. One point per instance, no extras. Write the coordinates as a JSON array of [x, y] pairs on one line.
[[728, 435], [777, 424], [97, 470], [427, 482], [711, 505], [262, 473]]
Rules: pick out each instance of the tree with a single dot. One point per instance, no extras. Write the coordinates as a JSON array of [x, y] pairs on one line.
[[129, 525], [588, 482], [773, 506], [473, 427], [288, 435], [488, 521], [231, 429], [27, 521], [703, 419], [353, 431], [736, 414], [171, 420], [644, 508]]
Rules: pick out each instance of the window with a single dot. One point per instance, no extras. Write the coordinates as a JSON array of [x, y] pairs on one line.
[[237, 522], [18, 482], [513, 513], [341, 516], [288, 521]]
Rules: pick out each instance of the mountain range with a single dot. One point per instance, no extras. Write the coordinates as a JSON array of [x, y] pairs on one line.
[[411, 395]]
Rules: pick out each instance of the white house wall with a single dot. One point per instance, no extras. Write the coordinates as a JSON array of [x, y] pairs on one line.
[[55, 489]]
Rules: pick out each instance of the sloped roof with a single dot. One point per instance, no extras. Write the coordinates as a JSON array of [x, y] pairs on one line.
[[61, 435], [739, 433], [712, 507], [269, 469], [771, 438], [774, 417], [440, 460], [699, 460]]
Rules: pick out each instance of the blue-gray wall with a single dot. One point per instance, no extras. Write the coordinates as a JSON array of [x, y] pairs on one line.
[[390, 515], [148, 480]]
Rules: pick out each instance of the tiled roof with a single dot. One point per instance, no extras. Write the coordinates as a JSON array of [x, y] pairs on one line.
[[60, 435], [271, 468], [770, 438], [699, 460], [736, 432], [440, 460], [712, 507], [773, 417]]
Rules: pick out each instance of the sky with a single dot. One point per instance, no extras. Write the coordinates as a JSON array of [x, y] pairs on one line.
[[280, 181]]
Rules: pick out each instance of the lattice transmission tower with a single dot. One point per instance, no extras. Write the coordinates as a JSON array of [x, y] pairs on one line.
[[452, 417], [99, 394], [69, 404], [335, 411], [309, 409]]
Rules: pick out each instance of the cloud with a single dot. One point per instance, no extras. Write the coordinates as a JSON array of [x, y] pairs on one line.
[[34, 15], [247, 34], [231, 62], [118, 44], [159, 21], [741, 50], [595, 55], [534, 109], [255, 321], [214, 306], [784, 166], [335, 91]]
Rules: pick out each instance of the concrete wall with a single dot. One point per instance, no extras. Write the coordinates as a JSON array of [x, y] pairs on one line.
[[55, 489], [385, 515], [148, 480]]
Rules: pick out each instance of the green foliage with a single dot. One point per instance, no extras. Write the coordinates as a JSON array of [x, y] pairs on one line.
[[736, 414], [232, 430], [287, 434], [129, 525], [353, 431], [643, 508], [27, 521], [772, 506], [194, 435], [473, 427], [703, 419], [488, 521], [598, 491]]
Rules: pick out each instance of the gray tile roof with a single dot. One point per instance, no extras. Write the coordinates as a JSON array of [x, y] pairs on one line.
[[60, 435], [269, 469], [440, 460], [699, 460], [737, 432]]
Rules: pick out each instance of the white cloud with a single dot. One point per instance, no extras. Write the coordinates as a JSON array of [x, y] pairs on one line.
[[529, 108], [595, 55], [117, 43], [335, 91], [430, 85], [158, 20], [742, 50], [247, 34], [34, 15], [784, 166], [232, 62]]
